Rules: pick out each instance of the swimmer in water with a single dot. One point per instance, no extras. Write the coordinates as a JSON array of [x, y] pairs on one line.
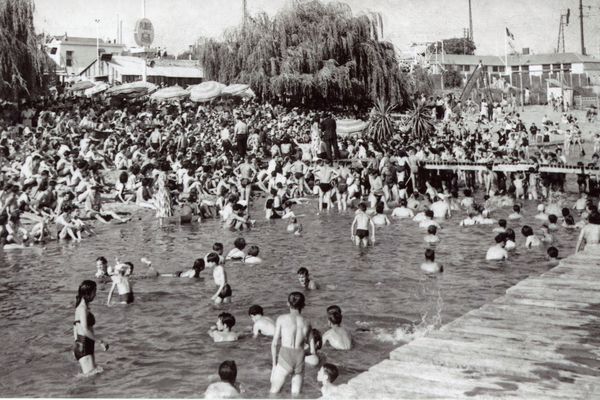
[[432, 239], [402, 211], [380, 219], [430, 266], [237, 253], [530, 239], [362, 223], [469, 221], [516, 213], [83, 328], [252, 257], [327, 375], [224, 292], [221, 332], [304, 279], [498, 252], [193, 272], [122, 284], [227, 388], [101, 267], [261, 325], [337, 336], [311, 349], [553, 259], [501, 226], [294, 227]]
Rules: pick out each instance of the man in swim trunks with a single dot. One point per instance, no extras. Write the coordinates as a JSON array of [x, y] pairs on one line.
[[293, 330], [324, 173], [362, 222]]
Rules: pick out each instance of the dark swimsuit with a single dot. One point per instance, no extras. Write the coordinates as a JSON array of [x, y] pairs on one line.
[[362, 233], [84, 346], [225, 292], [325, 187]]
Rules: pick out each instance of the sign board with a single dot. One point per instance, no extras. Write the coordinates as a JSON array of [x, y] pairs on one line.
[[144, 32]]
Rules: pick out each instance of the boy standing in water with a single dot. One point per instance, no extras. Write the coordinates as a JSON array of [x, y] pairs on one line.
[[293, 331], [362, 222], [227, 388], [327, 375]]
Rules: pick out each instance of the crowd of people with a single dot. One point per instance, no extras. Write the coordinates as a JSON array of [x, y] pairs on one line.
[[188, 163]]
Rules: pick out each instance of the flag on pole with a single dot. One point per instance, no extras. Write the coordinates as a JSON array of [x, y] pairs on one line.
[[509, 34]]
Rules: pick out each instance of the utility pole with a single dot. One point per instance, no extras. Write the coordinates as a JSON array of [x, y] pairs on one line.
[[97, 21], [470, 22], [244, 13], [581, 26]]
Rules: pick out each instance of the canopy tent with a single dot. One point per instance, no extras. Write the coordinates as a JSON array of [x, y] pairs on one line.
[[132, 89], [235, 89], [170, 93], [98, 88], [206, 91], [81, 85], [347, 127]]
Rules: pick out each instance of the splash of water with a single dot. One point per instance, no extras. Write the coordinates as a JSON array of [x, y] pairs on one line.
[[95, 371], [409, 332]]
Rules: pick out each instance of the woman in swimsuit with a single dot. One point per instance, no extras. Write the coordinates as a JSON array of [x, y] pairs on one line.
[[83, 328]]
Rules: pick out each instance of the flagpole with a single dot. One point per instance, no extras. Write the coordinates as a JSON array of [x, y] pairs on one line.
[[505, 52]]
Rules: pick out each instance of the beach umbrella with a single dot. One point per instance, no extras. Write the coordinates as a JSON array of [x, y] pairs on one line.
[[82, 85], [170, 93], [132, 89], [99, 87], [206, 91], [349, 126], [235, 89]]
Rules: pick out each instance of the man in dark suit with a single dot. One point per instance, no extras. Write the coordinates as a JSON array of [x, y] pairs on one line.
[[328, 127]]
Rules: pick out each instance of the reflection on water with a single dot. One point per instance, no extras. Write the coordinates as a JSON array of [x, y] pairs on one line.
[[159, 345]]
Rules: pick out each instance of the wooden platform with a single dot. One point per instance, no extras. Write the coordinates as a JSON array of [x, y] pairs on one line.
[[539, 341]]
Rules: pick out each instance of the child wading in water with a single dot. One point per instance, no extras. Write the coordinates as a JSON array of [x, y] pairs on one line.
[[362, 223]]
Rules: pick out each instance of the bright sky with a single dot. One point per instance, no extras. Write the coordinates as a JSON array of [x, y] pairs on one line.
[[177, 23]]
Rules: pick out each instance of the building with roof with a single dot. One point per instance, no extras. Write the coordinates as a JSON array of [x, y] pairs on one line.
[[158, 71], [73, 54], [535, 73]]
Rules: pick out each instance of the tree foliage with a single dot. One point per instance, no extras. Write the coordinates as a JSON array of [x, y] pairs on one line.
[[22, 59], [452, 78], [454, 46], [310, 52]]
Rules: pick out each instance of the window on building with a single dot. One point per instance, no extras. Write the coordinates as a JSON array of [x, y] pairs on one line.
[[567, 67], [525, 68], [69, 53], [515, 68], [466, 68], [53, 50], [495, 68], [69, 62], [556, 67], [546, 67], [501, 68]]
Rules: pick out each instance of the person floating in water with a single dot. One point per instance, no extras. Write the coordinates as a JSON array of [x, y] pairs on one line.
[[292, 329], [498, 252]]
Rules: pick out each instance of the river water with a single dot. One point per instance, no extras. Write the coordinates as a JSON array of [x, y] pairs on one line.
[[159, 345]]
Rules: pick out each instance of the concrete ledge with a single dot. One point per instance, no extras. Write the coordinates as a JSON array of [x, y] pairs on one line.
[[539, 341]]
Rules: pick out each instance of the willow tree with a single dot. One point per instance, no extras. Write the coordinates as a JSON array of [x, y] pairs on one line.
[[22, 60], [310, 52]]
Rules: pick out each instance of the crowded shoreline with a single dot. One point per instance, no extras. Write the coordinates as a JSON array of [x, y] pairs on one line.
[[214, 163]]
